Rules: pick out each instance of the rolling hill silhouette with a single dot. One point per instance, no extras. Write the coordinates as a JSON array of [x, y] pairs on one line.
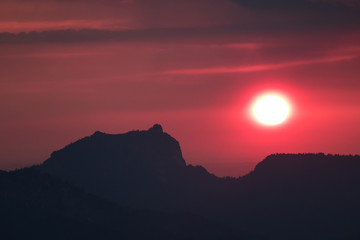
[[139, 180]]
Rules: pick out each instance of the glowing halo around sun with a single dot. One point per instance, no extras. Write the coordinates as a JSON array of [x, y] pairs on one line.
[[271, 109]]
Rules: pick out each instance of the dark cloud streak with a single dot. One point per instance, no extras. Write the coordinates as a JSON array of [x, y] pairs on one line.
[[297, 5], [235, 33]]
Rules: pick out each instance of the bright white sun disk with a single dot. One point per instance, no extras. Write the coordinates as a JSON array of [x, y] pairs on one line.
[[271, 110]]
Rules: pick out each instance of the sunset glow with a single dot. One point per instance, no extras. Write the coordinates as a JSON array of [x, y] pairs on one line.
[[197, 67]]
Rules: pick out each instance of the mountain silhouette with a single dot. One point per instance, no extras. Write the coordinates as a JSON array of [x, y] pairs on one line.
[[140, 181], [140, 169]]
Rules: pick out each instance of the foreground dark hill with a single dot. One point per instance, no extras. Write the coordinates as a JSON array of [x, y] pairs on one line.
[[34, 205], [287, 196]]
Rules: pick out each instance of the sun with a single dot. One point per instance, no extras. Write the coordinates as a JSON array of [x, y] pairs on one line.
[[271, 109]]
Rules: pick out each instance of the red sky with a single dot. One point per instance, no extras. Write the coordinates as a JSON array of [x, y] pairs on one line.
[[69, 68]]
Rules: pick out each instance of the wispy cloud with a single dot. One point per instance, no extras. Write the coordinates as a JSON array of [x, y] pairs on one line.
[[259, 67], [101, 24], [245, 45]]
